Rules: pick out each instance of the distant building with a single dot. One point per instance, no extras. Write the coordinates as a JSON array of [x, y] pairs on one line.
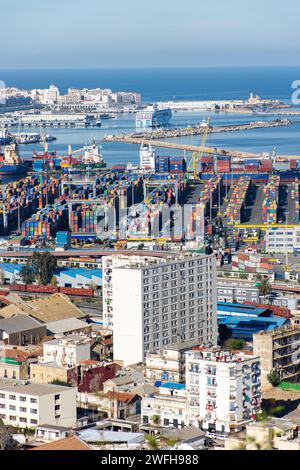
[[283, 240], [223, 389], [278, 351], [231, 290]]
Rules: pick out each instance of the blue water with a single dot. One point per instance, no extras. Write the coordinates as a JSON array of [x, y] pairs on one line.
[[167, 83], [172, 84]]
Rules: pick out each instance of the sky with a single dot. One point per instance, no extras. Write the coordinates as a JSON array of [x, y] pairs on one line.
[[148, 33]]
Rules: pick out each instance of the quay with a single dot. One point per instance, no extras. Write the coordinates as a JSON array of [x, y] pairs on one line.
[[51, 120], [200, 129]]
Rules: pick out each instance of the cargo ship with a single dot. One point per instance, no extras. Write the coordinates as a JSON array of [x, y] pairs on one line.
[[152, 116], [91, 159], [11, 162]]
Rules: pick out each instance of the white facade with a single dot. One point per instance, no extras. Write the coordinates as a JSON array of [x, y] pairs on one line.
[[147, 157], [167, 408], [67, 351], [160, 302], [223, 389], [32, 405], [283, 240]]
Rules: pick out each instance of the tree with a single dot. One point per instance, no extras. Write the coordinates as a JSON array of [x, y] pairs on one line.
[[155, 419], [224, 333], [53, 281], [44, 265], [6, 439], [264, 287], [235, 344], [27, 274], [152, 441], [274, 378]]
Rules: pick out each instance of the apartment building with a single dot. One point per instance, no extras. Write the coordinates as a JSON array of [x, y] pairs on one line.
[[167, 408], [163, 301], [223, 389], [279, 350], [30, 405], [230, 290], [168, 364]]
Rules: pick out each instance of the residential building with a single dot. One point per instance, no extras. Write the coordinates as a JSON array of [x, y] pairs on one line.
[[168, 364], [31, 405], [13, 364], [223, 389], [161, 301], [67, 351], [167, 408], [278, 351]]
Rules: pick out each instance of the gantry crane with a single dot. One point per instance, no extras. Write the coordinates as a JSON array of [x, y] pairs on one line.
[[196, 157]]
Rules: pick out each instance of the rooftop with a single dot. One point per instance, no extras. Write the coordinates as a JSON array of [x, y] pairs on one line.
[[33, 389], [65, 325], [18, 324], [69, 443]]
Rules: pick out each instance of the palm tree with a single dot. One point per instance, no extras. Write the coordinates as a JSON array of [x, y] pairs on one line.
[[152, 441], [264, 287]]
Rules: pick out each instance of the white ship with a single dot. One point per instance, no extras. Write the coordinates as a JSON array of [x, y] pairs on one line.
[[153, 117]]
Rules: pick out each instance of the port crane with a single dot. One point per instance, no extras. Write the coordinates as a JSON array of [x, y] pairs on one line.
[[196, 157]]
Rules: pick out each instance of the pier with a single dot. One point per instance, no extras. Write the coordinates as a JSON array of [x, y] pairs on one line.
[[200, 129]]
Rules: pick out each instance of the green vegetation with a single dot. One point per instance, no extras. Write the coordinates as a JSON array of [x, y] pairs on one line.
[[264, 287], [44, 265], [235, 344], [53, 281], [152, 441], [274, 378], [27, 274], [6, 439], [224, 333], [60, 382]]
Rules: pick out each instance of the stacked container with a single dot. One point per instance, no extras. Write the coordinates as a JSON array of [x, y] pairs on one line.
[[236, 204], [270, 200]]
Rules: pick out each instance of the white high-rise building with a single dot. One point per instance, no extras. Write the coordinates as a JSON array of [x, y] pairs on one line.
[[160, 301], [223, 389]]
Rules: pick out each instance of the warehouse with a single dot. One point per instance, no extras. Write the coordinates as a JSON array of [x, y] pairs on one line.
[[245, 320]]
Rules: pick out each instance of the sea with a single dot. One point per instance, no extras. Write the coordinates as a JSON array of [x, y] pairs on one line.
[[177, 84]]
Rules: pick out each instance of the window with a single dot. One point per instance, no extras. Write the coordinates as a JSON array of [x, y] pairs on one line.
[[33, 421], [2, 395], [12, 407], [23, 420], [33, 400], [12, 397], [13, 418], [33, 411], [22, 409], [23, 398]]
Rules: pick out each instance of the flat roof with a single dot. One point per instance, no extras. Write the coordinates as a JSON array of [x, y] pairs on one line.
[[34, 389]]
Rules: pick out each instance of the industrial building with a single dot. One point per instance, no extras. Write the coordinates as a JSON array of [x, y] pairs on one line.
[[245, 320]]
